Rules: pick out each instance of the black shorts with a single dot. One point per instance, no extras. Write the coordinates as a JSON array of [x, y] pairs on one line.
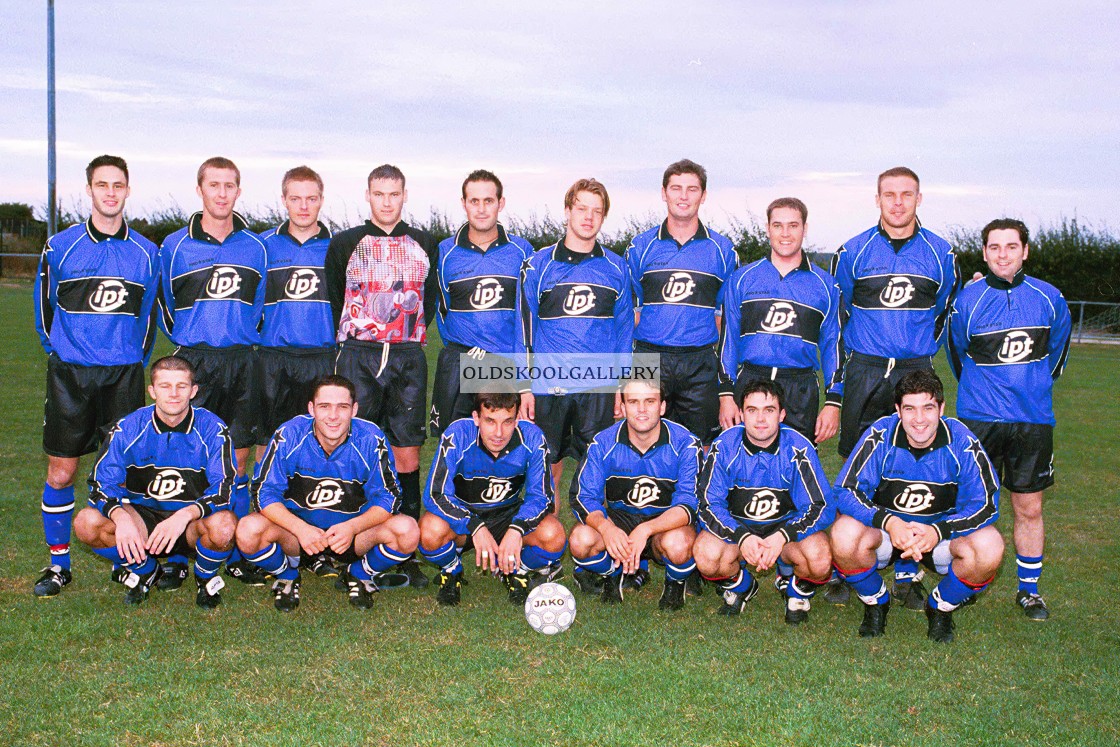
[[227, 382], [497, 522], [83, 402], [392, 382], [285, 377], [448, 402], [1022, 453], [869, 384], [151, 517], [764, 530], [571, 421], [690, 378], [801, 394]]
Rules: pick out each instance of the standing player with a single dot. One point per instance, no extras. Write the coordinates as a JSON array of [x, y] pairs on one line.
[[919, 486], [477, 316], [327, 484], [763, 498], [896, 284], [782, 322], [635, 497], [381, 281], [161, 486], [212, 296], [97, 285], [490, 486], [678, 271], [1008, 341], [574, 301]]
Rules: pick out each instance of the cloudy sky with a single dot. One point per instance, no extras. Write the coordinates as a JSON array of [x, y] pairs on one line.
[[1002, 108]]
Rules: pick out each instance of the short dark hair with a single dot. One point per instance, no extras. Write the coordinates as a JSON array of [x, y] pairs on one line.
[[1000, 224], [593, 186], [218, 162], [897, 171], [171, 363], [685, 166], [386, 171], [482, 175], [764, 386], [919, 382], [105, 160], [334, 380], [300, 174], [497, 400], [658, 384], [788, 202]]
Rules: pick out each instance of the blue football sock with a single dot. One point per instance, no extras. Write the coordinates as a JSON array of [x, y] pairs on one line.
[[868, 584], [143, 569], [802, 588], [272, 560], [180, 559], [110, 554], [643, 564], [1030, 571], [785, 570], [381, 558], [602, 564], [207, 561], [446, 558], [675, 572], [952, 591], [739, 582], [905, 570], [57, 510], [535, 558]]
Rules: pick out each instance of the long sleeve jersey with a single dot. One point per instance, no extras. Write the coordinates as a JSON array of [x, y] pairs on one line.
[[297, 312], [148, 463], [746, 488], [95, 296], [467, 482], [321, 489], [614, 477], [212, 292], [949, 485], [478, 290], [678, 288], [382, 286], [1008, 344], [783, 322], [895, 295]]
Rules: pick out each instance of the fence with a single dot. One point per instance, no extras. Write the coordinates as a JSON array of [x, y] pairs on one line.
[[1095, 321]]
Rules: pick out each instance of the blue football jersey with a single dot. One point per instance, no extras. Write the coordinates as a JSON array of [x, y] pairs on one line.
[[297, 311]]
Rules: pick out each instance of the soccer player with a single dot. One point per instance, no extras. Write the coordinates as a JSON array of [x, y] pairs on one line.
[[635, 497], [327, 484], [489, 488], [678, 271], [97, 285], [897, 281], [477, 316], [212, 297], [763, 498], [920, 486], [781, 322], [1008, 341], [575, 301], [381, 281], [161, 486]]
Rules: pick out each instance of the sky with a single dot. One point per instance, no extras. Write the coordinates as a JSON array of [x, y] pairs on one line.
[[1003, 108]]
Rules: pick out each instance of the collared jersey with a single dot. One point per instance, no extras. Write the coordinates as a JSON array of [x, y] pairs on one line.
[[467, 483], [894, 302], [790, 321], [744, 488], [147, 463], [95, 296], [678, 288], [212, 292], [1008, 343], [950, 485], [478, 290], [615, 477], [297, 312], [382, 286], [321, 489]]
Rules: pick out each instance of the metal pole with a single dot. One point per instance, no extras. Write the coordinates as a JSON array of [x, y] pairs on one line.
[[1080, 321], [52, 198]]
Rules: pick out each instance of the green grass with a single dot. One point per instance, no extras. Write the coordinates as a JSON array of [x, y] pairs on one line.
[[84, 670]]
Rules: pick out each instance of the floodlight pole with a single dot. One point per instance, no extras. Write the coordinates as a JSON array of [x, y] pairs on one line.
[[52, 199]]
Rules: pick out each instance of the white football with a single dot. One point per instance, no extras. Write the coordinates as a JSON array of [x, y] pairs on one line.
[[550, 609]]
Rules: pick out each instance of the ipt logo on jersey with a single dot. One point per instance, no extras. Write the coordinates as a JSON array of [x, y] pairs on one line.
[[326, 493], [780, 317], [301, 284], [915, 498], [497, 491], [678, 287], [223, 283], [487, 293], [1017, 346], [580, 300], [764, 505], [167, 484], [645, 492], [109, 295], [897, 292]]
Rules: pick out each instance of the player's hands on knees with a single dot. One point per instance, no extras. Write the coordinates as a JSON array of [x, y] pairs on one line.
[[509, 552], [130, 542], [528, 410], [828, 423], [638, 539], [749, 548], [312, 539], [729, 414], [769, 549], [485, 550], [901, 534], [163, 537], [925, 538], [339, 537], [617, 542]]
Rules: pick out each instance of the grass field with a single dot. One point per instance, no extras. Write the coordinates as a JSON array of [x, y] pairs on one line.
[[84, 670]]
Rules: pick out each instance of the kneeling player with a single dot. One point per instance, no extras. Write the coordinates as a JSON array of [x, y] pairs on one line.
[[763, 500], [920, 486], [635, 498], [161, 486], [474, 498], [328, 485]]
